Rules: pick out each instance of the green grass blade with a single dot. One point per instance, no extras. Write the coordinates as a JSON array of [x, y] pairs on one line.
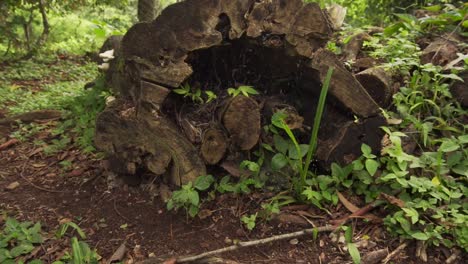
[[317, 120]]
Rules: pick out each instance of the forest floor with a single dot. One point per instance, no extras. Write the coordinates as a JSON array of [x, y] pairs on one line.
[[38, 186], [112, 215]]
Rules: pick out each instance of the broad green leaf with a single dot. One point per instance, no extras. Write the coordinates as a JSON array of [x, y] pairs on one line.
[[354, 253], [366, 150], [193, 210], [420, 236], [433, 8], [280, 144], [203, 182], [279, 161], [372, 166], [21, 249], [194, 198], [448, 146], [180, 91], [293, 151], [278, 119]]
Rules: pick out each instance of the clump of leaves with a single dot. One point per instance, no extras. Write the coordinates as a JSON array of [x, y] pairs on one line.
[[18, 239], [195, 94], [245, 90], [188, 197]]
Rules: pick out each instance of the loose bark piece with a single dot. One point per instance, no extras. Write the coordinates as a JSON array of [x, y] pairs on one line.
[[375, 257], [242, 120], [378, 84], [352, 48], [343, 85], [9, 143], [214, 145], [337, 15], [439, 52]]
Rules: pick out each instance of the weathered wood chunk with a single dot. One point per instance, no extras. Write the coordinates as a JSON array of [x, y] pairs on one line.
[[378, 84], [214, 145], [242, 120]]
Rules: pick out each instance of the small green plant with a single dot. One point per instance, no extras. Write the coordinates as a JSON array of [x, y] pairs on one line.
[[249, 221], [352, 248], [195, 94], [245, 90], [188, 197], [18, 239]]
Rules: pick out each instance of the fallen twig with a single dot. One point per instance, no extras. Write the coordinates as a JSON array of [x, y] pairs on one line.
[[395, 252], [9, 143], [34, 185], [257, 242]]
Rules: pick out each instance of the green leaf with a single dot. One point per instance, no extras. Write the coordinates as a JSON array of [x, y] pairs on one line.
[[448, 146], [293, 151], [279, 161], [278, 119], [246, 90], [194, 198], [433, 8], [420, 236], [280, 144], [193, 210], [23, 248], [371, 166], [180, 91], [354, 253], [203, 182], [465, 24], [366, 150]]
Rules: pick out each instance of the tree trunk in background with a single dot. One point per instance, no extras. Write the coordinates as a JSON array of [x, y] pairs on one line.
[[146, 10]]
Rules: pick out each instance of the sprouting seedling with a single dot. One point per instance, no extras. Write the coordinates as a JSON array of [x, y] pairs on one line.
[[245, 90]]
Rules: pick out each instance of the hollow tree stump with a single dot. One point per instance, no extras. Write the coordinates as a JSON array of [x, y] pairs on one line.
[[275, 46]]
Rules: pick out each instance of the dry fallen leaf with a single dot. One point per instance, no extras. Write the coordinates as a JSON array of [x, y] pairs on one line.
[[13, 186], [119, 254], [393, 200]]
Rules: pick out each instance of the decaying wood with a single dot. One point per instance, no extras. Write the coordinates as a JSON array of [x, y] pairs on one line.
[[214, 145], [337, 15], [275, 46], [242, 120], [343, 85], [378, 84], [144, 141], [352, 48]]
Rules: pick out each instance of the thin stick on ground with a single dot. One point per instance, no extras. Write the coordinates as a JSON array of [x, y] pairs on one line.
[[34, 185], [255, 243], [395, 252]]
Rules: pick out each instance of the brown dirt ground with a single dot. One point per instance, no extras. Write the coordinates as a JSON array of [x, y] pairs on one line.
[[51, 195]]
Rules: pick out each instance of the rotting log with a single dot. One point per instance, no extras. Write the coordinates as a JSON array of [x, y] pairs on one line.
[[378, 84], [275, 46]]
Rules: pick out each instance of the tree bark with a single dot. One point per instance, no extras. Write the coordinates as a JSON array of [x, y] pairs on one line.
[[146, 10]]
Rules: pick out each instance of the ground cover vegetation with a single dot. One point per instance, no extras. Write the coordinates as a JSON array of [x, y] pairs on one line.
[[419, 178]]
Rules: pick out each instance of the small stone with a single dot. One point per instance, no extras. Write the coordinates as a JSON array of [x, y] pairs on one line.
[[294, 241], [227, 240], [13, 186], [151, 255]]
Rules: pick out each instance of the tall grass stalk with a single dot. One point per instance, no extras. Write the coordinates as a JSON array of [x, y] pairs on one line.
[[317, 120]]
